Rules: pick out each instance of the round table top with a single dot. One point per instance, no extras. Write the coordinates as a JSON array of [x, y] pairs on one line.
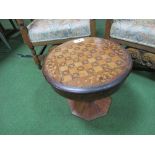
[[87, 63]]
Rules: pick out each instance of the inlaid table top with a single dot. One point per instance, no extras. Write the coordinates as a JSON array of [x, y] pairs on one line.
[[87, 63]]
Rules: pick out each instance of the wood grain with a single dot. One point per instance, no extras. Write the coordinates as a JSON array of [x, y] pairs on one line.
[[90, 110]]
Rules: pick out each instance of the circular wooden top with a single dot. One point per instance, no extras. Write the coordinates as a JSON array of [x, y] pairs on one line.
[[86, 63]]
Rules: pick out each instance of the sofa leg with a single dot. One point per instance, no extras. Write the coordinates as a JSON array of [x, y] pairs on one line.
[[36, 58]]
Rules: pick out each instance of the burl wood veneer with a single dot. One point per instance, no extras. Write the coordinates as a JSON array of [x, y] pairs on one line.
[[87, 71]]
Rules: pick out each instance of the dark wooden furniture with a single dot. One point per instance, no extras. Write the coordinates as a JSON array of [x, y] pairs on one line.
[[143, 56], [87, 71], [31, 45], [3, 38], [6, 33]]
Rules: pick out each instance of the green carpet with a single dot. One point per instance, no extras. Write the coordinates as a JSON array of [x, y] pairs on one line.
[[28, 104]]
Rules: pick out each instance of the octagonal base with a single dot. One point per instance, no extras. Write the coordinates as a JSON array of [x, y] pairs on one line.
[[90, 110]]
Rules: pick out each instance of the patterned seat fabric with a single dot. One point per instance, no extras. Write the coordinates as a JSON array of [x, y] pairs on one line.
[[57, 29], [134, 30]]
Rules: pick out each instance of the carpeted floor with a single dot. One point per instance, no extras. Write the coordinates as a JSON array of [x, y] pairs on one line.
[[28, 105]]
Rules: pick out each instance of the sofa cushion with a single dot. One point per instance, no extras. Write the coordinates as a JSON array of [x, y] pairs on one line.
[[134, 30], [41, 30]]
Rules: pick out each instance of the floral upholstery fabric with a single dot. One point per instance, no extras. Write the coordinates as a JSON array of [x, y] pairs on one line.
[[134, 30], [56, 29]]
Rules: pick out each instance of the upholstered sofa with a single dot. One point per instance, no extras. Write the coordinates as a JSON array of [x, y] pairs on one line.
[[137, 35], [43, 32]]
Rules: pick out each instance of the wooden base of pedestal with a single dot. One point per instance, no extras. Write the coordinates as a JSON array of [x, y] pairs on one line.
[[90, 110]]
